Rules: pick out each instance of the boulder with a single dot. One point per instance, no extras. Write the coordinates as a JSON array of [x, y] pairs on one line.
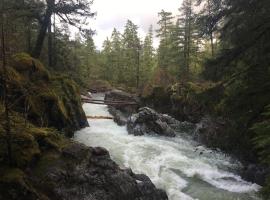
[[119, 117], [148, 121], [89, 173], [119, 95], [77, 172]]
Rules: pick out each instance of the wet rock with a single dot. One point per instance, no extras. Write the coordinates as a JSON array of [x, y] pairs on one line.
[[148, 121], [210, 131], [93, 175], [119, 117], [75, 173], [255, 173], [119, 95], [100, 151]]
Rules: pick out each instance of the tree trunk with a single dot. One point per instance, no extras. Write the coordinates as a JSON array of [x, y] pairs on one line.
[[29, 38], [50, 48], [43, 29], [5, 89], [54, 43], [211, 32], [212, 44]]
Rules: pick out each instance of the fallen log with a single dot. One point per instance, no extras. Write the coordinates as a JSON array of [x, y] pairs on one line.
[[109, 102], [99, 117], [86, 96]]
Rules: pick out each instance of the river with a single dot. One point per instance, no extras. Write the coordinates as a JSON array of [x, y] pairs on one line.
[[176, 165]]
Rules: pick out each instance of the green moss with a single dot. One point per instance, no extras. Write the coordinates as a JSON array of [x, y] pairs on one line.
[[28, 141], [48, 159], [23, 62], [11, 175], [48, 138], [24, 149], [54, 105]]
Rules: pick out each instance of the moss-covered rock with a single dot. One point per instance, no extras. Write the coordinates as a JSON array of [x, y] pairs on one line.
[[27, 141], [42, 105], [45, 99], [14, 185], [30, 67]]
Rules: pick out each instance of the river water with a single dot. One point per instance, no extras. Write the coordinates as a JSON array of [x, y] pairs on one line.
[[176, 165]]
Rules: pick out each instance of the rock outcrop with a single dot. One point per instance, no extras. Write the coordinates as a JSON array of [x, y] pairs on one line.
[[121, 113], [119, 95], [74, 173], [148, 121]]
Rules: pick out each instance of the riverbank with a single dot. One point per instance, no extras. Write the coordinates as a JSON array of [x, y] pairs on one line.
[[43, 162]]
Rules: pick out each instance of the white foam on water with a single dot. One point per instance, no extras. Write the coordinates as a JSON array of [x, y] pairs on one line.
[[169, 162]]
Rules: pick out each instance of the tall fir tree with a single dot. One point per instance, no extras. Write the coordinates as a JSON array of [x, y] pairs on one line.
[[148, 56], [131, 55], [165, 26], [117, 54], [187, 21]]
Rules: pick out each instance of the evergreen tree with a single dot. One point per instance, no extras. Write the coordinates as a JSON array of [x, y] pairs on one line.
[[131, 55], [148, 56], [70, 12], [90, 55], [208, 17], [190, 44], [117, 54], [107, 72], [176, 50], [165, 23]]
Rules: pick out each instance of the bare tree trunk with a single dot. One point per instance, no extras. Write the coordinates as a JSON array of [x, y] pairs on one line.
[[29, 38], [212, 44], [5, 89], [54, 42], [50, 48], [43, 29], [211, 34]]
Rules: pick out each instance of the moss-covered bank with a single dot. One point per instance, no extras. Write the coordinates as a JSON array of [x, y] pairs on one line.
[[45, 99], [44, 108]]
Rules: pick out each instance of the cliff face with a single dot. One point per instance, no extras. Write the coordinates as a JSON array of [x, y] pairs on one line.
[[46, 165]]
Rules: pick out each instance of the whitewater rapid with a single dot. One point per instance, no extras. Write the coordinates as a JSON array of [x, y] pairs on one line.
[[177, 165]]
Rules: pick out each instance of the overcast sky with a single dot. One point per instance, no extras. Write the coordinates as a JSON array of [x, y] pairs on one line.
[[114, 13]]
